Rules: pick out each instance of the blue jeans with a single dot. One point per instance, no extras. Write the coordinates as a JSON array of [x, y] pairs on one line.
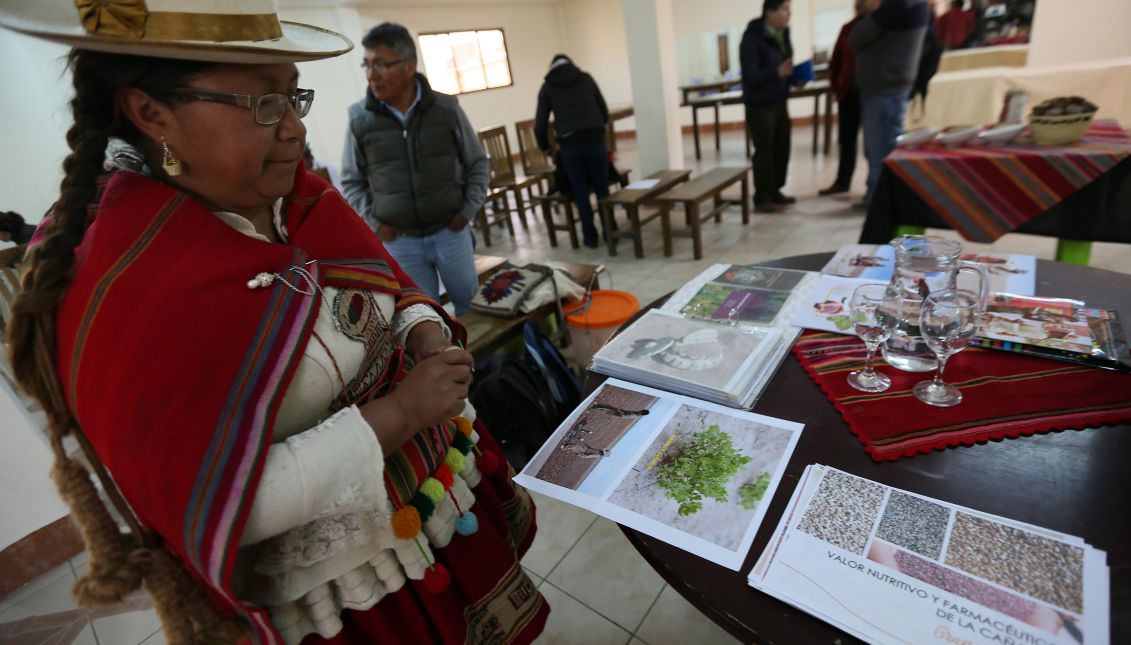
[[587, 166], [446, 253], [882, 120]]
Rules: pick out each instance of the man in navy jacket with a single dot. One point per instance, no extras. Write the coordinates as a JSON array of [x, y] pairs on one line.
[[766, 55]]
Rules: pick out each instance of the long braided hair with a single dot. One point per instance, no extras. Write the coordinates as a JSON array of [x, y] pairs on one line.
[[118, 562]]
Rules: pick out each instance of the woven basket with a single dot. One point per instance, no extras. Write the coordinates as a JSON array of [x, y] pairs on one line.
[[1059, 130]]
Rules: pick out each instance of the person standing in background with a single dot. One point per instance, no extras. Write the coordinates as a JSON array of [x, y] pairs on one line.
[[955, 27], [413, 168], [888, 43], [842, 76], [580, 118], [766, 56]]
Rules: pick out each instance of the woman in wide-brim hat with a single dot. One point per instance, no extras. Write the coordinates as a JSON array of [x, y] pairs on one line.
[[231, 347]]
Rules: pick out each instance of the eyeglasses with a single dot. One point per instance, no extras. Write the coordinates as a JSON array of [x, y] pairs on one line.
[[380, 66], [266, 109]]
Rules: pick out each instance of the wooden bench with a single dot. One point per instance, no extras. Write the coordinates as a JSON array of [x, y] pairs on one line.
[[631, 199], [709, 184], [550, 203], [486, 333]]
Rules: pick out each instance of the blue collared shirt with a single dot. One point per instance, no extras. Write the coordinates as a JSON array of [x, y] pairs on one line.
[[407, 113]]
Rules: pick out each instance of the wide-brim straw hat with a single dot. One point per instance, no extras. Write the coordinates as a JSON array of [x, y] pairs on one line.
[[221, 31]]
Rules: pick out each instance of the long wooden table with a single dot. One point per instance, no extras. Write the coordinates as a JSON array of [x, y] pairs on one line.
[[1073, 481], [815, 89], [710, 184], [631, 200]]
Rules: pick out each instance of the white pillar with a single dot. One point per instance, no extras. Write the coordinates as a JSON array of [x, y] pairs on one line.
[[650, 35]]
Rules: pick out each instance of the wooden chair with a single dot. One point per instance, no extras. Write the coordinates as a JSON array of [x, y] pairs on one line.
[[535, 163], [503, 182]]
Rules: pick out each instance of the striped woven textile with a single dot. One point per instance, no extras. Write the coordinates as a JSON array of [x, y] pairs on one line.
[[985, 192], [1005, 395]]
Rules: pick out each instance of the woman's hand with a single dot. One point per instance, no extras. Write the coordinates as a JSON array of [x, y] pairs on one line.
[[432, 392], [424, 340], [436, 388]]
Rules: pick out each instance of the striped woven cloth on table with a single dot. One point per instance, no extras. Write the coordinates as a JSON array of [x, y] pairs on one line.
[[1005, 395], [985, 192]]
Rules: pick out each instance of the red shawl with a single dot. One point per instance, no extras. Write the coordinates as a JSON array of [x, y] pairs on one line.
[[175, 368]]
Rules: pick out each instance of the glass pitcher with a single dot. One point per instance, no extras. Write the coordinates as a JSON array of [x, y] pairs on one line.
[[923, 264]]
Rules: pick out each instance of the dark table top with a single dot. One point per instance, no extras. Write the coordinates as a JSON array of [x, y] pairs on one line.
[[1076, 482]]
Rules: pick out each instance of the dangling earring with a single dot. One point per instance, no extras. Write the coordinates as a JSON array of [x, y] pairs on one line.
[[170, 163]]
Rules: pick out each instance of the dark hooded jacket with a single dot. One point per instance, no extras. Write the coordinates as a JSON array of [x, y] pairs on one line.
[[760, 57], [580, 113]]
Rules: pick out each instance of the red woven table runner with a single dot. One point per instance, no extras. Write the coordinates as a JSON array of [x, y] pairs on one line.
[[1005, 395], [984, 192]]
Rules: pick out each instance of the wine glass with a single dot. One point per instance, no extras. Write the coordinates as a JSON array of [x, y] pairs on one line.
[[948, 320], [873, 322]]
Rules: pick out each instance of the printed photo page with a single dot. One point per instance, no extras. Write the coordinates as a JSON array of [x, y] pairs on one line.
[[694, 474], [742, 295], [719, 363], [890, 566], [1011, 272]]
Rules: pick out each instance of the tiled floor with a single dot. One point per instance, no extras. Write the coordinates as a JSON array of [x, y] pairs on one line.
[[600, 589]]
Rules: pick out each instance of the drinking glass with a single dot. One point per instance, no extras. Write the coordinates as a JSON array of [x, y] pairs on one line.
[[873, 322], [947, 321]]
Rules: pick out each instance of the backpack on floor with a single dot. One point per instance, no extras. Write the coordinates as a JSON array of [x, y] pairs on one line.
[[545, 357], [514, 401]]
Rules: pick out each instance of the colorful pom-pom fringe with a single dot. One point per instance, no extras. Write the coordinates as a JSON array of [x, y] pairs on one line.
[[467, 523], [406, 523], [436, 578], [444, 475], [487, 462], [454, 460], [463, 426], [433, 489]]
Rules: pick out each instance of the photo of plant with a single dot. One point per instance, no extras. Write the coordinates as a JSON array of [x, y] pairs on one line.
[[761, 277], [720, 302], [705, 474]]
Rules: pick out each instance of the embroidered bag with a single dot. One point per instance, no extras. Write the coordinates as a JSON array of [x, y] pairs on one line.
[[505, 291]]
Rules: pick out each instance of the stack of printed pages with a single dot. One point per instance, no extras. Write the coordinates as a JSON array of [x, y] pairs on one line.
[[889, 566], [723, 364], [719, 338]]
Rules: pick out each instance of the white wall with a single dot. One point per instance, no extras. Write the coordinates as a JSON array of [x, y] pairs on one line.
[[1077, 31], [35, 117]]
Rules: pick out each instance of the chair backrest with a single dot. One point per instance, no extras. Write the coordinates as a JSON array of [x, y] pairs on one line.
[[534, 161], [498, 147]]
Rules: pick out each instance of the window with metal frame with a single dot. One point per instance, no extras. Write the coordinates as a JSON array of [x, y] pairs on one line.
[[459, 62]]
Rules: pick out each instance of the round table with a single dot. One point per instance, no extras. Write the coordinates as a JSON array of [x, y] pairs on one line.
[[1076, 482]]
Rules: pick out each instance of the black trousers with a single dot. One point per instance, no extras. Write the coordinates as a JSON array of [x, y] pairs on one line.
[[769, 129], [848, 134]]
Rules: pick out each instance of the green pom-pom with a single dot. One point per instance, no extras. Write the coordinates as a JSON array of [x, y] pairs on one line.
[[433, 489], [423, 505], [454, 460]]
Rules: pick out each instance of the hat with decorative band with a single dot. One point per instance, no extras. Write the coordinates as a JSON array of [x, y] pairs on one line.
[[222, 31]]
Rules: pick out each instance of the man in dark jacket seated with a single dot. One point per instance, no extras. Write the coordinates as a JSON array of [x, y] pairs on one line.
[[766, 54], [580, 118]]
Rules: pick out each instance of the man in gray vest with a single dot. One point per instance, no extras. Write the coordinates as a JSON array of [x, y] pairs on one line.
[[413, 168]]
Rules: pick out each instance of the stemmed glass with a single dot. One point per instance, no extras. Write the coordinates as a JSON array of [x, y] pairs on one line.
[[948, 320], [873, 322]]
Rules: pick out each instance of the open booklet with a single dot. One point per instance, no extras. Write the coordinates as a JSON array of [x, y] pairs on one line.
[[890, 566], [1057, 328], [748, 295], [720, 363], [696, 475]]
